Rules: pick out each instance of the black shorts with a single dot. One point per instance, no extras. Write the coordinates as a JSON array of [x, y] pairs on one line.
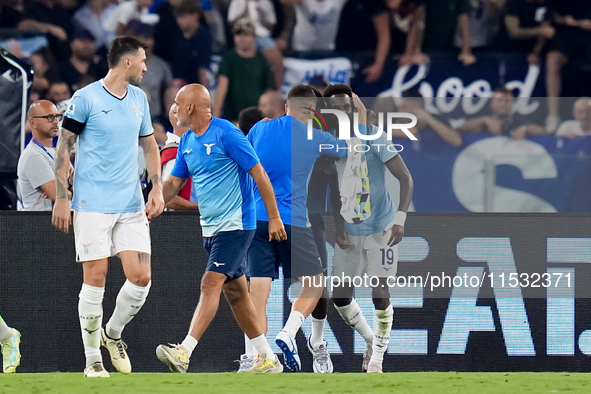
[[297, 255], [227, 252], [572, 43]]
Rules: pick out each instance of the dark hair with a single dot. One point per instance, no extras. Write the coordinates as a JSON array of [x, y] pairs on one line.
[[503, 90], [338, 88], [120, 47], [187, 7], [301, 90], [248, 117], [320, 103]]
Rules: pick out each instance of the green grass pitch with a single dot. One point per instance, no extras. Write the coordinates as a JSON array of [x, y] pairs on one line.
[[357, 383]]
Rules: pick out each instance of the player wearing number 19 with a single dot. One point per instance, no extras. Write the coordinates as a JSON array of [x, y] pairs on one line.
[[372, 230], [107, 119]]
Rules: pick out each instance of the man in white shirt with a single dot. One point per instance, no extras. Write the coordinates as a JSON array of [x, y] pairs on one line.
[[581, 125], [36, 178]]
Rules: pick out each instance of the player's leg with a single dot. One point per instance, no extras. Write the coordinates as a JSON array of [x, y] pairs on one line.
[[260, 288], [92, 233], [236, 293], [383, 263], [316, 343], [131, 242], [348, 263], [10, 340], [300, 262]]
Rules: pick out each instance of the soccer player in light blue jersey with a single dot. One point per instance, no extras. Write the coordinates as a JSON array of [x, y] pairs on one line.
[[223, 165], [106, 120], [369, 245], [288, 155]]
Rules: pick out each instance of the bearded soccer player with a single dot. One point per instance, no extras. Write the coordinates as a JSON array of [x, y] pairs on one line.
[[106, 120]]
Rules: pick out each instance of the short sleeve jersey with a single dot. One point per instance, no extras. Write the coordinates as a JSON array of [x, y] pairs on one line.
[[219, 161], [106, 170]]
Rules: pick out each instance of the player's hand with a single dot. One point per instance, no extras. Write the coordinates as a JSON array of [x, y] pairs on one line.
[[467, 58], [61, 218], [343, 240], [155, 204], [396, 236], [277, 230]]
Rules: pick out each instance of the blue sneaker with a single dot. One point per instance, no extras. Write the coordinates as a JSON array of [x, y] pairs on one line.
[[11, 354], [290, 351]]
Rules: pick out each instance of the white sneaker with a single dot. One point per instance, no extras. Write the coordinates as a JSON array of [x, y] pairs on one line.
[[175, 356], [265, 365], [366, 357], [290, 351], [245, 363], [322, 362], [116, 348], [96, 370], [374, 368]]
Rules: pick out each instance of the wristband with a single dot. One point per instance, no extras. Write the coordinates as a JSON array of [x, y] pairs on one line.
[[399, 218]]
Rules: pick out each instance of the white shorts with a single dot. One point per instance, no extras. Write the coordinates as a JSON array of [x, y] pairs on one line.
[[368, 254], [101, 235]]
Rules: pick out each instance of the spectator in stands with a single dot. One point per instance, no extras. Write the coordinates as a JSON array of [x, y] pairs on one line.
[[166, 31], [191, 53], [182, 201], [443, 18], [312, 25], [572, 40], [528, 28], [36, 178], [364, 26], [271, 104], [244, 74], [406, 18], [159, 74], [484, 20], [58, 91], [46, 71], [319, 83], [92, 17], [261, 14], [9, 16], [248, 117], [80, 64], [412, 102], [51, 18], [503, 120], [581, 125], [127, 11]]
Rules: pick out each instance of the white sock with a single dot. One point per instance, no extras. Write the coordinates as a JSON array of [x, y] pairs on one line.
[[90, 313], [248, 348], [317, 331], [129, 301], [354, 318], [293, 324], [190, 344], [5, 331], [382, 326], [261, 346]]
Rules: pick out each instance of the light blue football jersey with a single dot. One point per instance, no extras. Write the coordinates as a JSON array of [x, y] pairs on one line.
[[106, 170], [219, 161]]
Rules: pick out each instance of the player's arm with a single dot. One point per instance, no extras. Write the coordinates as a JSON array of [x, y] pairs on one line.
[[180, 204], [61, 210], [171, 188], [276, 229], [342, 239], [398, 168], [155, 204]]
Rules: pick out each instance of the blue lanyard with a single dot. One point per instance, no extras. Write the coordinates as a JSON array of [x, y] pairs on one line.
[[42, 147]]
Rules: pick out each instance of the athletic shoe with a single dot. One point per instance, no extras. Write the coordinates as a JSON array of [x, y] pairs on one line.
[[265, 365], [96, 370], [245, 363], [374, 368], [322, 362], [290, 351], [119, 356], [175, 356], [11, 354], [366, 357]]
